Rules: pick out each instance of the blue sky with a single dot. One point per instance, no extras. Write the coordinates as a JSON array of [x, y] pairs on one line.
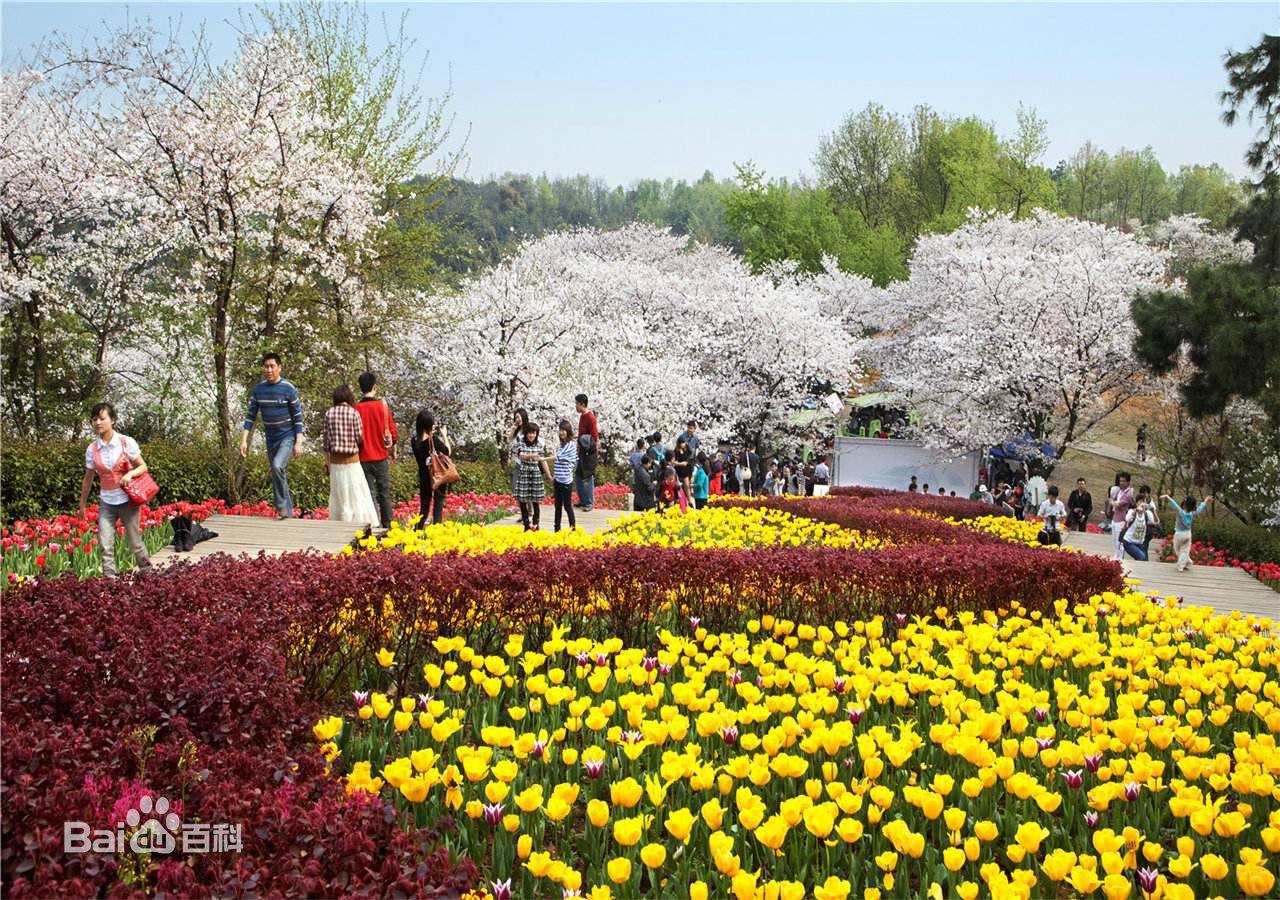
[[669, 90]]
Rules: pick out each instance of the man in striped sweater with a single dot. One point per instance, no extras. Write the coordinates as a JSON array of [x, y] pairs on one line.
[[281, 410]]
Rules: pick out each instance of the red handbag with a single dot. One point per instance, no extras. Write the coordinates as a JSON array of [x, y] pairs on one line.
[[141, 488]]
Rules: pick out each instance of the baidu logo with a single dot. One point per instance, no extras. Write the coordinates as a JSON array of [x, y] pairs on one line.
[[152, 827]]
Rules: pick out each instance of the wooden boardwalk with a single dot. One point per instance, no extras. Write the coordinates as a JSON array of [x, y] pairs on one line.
[[1225, 589], [251, 535]]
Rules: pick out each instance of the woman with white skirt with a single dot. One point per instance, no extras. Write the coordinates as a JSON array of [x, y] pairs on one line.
[[349, 497]]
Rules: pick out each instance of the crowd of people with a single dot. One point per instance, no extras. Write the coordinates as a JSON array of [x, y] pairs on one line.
[[360, 440], [687, 474], [1130, 516]]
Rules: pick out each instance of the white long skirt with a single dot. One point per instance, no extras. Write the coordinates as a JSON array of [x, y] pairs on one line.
[[349, 497]]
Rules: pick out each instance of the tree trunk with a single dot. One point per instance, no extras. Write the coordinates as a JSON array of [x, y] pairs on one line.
[[39, 358], [221, 399]]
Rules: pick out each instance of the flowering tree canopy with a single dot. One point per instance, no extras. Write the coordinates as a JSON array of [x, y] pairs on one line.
[[1010, 326], [654, 332]]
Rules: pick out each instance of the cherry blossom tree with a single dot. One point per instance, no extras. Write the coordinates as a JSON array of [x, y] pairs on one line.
[[228, 166], [653, 331], [1191, 241], [1008, 327]]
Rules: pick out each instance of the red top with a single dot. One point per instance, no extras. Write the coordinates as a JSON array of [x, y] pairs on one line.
[[715, 484], [109, 479], [379, 429], [587, 425]]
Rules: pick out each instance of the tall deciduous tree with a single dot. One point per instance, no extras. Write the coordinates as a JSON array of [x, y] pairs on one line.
[[1022, 182], [1011, 326], [230, 162], [856, 162], [650, 330]]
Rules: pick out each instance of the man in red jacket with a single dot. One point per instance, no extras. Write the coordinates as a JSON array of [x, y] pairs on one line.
[[378, 446], [586, 425]]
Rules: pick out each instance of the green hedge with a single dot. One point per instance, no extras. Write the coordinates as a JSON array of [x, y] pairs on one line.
[[38, 480]]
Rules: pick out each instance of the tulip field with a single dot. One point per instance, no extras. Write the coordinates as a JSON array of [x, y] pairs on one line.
[[69, 544], [871, 694]]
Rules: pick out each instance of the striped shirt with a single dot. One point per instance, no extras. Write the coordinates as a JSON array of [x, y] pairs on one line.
[[281, 410], [566, 462], [342, 430]]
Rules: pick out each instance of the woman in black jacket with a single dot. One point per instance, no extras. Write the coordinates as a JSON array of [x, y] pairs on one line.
[[427, 442]]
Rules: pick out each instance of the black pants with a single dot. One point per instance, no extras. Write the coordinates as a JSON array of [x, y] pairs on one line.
[[375, 473], [430, 505], [564, 500], [530, 510], [699, 502]]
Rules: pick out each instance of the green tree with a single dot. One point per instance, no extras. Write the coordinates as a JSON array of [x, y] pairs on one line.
[[1022, 183], [1253, 86], [856, 162], [1228, 321], [1206, 191], [774, 221]]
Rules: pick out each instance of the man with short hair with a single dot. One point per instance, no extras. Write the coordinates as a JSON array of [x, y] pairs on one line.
[[379, 445], [638, 453], [691, 437], [1052, 512], [1079, 506], [587, 424], [277, 401]]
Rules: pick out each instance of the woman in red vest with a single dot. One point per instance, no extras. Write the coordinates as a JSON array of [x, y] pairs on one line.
[[116, 460]]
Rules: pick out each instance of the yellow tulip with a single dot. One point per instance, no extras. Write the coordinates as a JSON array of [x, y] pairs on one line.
[[653, 855], [1254, 879], [625, 793], [627, 832], [1029, 836], [834, 888], [619, 869], [1084, 880], [1116, 887], [1213, 866], [679, 823]]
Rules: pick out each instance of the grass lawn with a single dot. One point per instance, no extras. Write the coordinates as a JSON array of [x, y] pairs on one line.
[[1099, 472]]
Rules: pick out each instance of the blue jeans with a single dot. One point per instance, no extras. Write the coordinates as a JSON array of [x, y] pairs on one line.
[[279, 456], [587, 491], [1134, 549]]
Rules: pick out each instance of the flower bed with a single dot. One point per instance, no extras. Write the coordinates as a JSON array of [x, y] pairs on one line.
[[947, 756], [713, 527], [233, 732], [1204, 553], [68, 544]]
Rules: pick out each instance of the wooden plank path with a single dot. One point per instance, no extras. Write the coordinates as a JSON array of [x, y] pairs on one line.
[[1225, 589], [251, 535]]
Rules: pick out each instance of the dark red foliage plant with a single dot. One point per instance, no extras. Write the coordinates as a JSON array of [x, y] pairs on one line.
[[201, 683]]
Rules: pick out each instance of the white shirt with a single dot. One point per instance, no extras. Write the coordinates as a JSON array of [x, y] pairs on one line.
[[110, 456], [1052, 508]]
